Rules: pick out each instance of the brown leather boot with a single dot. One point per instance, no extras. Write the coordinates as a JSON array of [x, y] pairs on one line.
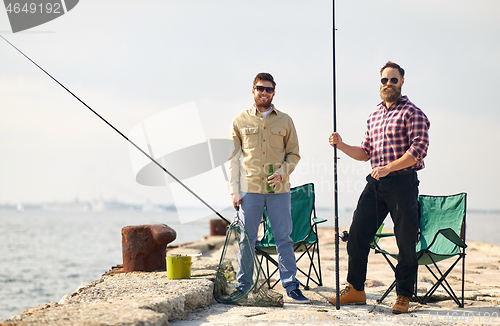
[[402, 304], [350, 295]]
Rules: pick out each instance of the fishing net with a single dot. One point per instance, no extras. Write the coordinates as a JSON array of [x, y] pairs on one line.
[[240, 278]]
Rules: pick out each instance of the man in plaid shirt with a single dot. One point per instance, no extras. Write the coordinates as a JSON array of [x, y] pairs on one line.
[[395, 142]]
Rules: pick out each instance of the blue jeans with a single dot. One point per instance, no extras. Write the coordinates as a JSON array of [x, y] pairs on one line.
[[278, 208], [397, 195]]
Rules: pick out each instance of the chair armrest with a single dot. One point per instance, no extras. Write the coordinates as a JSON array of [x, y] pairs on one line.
[[378, 236], [384, 235], [318, 220], [451, 236]]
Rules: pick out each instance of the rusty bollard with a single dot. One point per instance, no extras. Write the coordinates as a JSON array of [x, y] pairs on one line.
[[145, 246], [218, 227]]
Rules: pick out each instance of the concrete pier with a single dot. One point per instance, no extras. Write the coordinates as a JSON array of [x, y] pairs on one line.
[[149, 298]]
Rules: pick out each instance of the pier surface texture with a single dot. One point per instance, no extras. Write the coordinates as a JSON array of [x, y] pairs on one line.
[[150, 298]]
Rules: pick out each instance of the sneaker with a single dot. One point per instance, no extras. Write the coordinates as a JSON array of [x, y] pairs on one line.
[[297, 296], [402, 304], [235, 295], [350, 295]]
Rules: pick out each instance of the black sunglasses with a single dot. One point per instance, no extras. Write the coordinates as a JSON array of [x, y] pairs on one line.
[[394, 80], [261, 89]]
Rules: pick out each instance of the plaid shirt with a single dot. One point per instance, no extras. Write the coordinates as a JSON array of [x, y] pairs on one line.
[[391, 133]]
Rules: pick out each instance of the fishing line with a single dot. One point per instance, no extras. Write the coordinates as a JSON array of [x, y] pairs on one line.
[[118, 131]]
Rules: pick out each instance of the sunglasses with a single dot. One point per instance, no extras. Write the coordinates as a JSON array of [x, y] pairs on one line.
[[261, 89], [393, 80]]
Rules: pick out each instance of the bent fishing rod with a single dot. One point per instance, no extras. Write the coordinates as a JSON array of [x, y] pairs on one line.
[[121, 134]]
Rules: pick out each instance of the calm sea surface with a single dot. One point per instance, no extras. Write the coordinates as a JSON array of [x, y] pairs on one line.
[[45, 255]]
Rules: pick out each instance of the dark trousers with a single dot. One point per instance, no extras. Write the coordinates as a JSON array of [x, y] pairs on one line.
[[397, 195]]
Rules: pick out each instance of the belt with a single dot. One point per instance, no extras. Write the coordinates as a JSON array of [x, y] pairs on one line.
[[401, 172]]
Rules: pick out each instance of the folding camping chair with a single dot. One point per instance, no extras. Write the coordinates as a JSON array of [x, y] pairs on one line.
[[442, 236], [304, 236]]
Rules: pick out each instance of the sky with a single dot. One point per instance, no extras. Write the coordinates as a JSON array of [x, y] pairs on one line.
[[132, 60]]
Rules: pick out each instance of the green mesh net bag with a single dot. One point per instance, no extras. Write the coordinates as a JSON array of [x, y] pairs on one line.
[[240, 279]]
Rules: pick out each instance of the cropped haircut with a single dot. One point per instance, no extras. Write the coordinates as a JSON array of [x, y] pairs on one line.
[[264, 76], [390, 64]]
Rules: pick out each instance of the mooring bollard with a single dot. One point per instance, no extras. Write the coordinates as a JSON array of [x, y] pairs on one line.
[[145, 247], [218, 227]]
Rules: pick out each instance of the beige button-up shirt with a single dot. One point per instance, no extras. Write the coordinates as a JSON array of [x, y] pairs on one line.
[[258, 142]]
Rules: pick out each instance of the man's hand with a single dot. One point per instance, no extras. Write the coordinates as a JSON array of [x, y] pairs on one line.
[[401, 163], [355, 152], [236, 198], [335, 139], [274, 180], [379, 172]]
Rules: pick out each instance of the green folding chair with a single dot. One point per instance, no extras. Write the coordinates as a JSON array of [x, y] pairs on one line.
[[304, 236], [442, 236]]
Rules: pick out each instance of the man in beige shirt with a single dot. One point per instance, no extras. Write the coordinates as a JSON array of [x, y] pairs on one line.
[[264, 137]]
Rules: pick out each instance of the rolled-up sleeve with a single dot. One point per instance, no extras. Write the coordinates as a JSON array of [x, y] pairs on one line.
[[366, 143], [418, 134]]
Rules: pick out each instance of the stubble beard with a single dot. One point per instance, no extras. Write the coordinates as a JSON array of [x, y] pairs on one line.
[[263, 103]]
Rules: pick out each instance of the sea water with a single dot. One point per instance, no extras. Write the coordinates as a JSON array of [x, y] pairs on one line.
[[45, 255]]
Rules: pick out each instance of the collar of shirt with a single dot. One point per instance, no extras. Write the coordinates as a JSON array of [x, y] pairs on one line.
[[401, 100], [257, 113]]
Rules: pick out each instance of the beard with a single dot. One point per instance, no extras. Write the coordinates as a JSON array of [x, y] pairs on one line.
[[264, 102], [390, 96]]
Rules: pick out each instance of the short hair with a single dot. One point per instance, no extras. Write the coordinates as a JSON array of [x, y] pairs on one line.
[[264, 76], [390, 64]]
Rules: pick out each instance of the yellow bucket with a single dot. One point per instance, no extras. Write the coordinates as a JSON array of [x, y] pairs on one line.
[[178, 266]]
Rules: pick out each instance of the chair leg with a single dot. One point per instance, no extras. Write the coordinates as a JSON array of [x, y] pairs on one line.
[[415, 290], [320, 278], [389, 289], [443, 282], [307, 275], [318, 260], [265, 272], [269, 275], [310, 252], [274, 262], [393, 285], [317, 271], [463, 279], [312, 266], [316, 247]]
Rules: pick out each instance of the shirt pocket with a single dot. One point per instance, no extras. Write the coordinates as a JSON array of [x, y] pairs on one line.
[[277, 137], [396, 129], [250, 137]]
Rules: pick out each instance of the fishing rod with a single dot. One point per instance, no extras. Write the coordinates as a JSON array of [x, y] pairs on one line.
[[335, 191], [119, 132]]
